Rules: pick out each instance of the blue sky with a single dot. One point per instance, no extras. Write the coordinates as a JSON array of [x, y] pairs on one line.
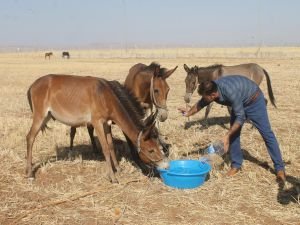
[[140, 23]]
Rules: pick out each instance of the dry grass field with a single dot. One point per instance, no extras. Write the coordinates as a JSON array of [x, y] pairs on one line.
[[76, 192]]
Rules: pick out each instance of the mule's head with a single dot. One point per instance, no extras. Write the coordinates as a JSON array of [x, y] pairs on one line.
[[149, 148], [190, 82], [159, 91]]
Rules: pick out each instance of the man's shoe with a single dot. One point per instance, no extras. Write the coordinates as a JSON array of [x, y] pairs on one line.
[[280, 176], [233, 171]]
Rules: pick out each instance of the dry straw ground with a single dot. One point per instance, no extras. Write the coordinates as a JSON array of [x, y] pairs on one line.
[[75, 192]]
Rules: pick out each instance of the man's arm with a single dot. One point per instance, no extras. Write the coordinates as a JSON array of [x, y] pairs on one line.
[[240, 117], [233, 129], [194, 109]]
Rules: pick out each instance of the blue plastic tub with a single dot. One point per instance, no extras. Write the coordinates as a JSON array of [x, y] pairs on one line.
[[185, 174]]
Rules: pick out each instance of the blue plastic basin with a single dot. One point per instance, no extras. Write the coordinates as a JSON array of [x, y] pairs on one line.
[[185, 174]]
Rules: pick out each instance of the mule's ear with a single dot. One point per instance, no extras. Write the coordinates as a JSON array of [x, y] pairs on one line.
[[147, 132], [186, 68], [169, 72], [156, 70], [150, 119]]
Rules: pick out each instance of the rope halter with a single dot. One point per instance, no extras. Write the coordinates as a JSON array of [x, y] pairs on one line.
[[152, 95], [139, 141], [139, 150]]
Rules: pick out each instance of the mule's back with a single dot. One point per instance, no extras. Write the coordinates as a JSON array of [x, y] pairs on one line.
[[250, 70], [69, 99], [133, 74]]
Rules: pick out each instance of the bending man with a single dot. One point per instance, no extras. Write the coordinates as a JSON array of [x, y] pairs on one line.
[[247, 102]]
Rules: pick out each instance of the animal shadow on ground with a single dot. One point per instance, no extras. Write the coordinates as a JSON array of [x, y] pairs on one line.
[[221, 121], [85, 152], [285, 195]]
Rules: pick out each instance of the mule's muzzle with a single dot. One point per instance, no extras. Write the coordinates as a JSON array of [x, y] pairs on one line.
[[162, 115], [163, 164], [187, 97]]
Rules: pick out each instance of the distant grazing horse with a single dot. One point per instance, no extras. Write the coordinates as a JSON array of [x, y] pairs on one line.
[[66, 55], [149, 85], [79, 101], [48, 54], [196, 75]]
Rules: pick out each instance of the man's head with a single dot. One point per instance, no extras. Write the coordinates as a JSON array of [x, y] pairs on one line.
[[208, 90]]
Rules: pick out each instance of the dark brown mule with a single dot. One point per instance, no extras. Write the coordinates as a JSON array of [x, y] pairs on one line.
[[48, 54], [79, 101], [149, 85], [196, 75]]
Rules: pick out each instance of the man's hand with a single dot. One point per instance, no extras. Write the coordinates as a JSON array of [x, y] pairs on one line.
[[189, 111], [226, 141], [183, 111]]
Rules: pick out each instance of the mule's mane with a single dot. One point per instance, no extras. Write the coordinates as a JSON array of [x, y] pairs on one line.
[[211, 68], [154, 65], [133, 107]]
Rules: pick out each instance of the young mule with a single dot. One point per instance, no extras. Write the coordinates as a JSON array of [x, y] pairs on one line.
[[196, 75], [79, 101], [149, 85]]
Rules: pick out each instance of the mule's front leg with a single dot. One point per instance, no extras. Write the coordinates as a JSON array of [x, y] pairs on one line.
[[107, 129], [102, 135], [145, 105]]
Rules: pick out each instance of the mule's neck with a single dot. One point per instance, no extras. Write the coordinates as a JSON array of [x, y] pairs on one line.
[[208, 74], [129, 128], [145, 87], [203, 75], [126, 123]]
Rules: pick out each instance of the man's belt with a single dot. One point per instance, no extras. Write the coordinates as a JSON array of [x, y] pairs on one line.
[[253, 97]]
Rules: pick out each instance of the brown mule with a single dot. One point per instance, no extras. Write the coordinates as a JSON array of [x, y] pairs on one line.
[[149, 85], [80, 101]]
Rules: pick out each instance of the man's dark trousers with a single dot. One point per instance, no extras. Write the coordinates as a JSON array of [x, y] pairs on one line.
[[257, 113]]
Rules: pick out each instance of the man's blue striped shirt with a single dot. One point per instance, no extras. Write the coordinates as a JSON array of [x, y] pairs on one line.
[[234, 91]]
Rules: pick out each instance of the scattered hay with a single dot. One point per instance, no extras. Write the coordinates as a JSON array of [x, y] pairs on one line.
[[76, 192]]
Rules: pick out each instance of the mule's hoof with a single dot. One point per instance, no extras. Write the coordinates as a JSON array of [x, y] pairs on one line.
[[70, 155], [30, 179], [114, 181], [118, 169], [203, 127], [29, 174], [112, 178]]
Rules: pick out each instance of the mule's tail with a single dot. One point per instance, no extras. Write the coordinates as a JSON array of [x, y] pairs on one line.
[[44, 125], [270, 91], [29, 99]]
